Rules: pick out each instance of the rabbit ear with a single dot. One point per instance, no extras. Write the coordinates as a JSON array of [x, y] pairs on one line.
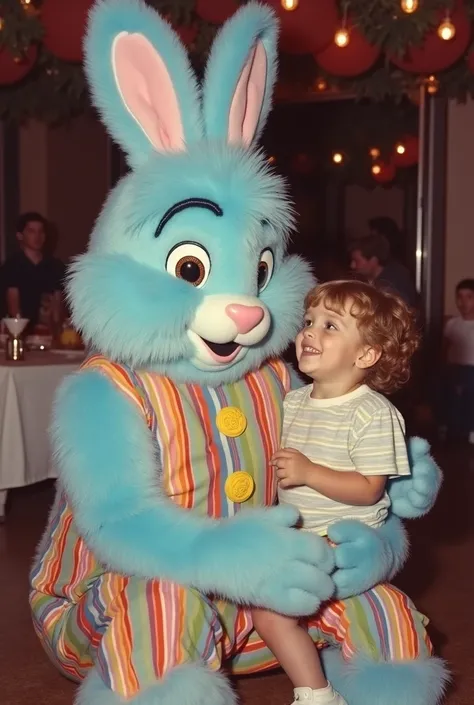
[[141, 79], [240, 76]]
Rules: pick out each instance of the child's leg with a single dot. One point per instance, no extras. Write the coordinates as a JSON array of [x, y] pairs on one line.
[[293, 647]]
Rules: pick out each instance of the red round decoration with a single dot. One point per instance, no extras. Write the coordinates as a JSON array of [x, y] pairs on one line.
[[470, 61], [64, 24], [387, 172], [410, 155], [303, 163], [12, 70], [352, 60], [187, 33], [216, 11], [308, 29], [436, 54]]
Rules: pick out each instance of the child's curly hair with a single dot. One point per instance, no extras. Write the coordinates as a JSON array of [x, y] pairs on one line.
[[385, 322]]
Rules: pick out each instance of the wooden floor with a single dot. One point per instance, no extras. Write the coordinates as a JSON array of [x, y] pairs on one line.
[[439, 578]]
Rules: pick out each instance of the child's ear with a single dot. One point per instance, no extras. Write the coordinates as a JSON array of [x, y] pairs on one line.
[[368, 357]]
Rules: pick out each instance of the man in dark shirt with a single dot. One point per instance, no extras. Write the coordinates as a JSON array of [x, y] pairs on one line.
[[371, 259], [32, 280]]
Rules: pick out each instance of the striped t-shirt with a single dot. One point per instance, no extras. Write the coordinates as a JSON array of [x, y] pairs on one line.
[[360, 431]]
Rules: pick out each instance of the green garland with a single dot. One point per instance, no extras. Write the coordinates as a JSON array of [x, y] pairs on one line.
[[55, 90]]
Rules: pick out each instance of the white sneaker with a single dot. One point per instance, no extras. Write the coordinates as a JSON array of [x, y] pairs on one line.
[[322, 696]]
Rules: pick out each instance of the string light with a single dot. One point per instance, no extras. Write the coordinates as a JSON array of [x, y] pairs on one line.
[[337, 158], [409, 6], [321, 85], [446, 30], [341, 38], [374, 153], [376, 169], [432, 85], [289, 4], [400, 148]]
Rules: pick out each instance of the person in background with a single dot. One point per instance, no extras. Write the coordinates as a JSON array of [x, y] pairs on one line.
[[31, 279], [383, 225], [371, 258], [457, 409]]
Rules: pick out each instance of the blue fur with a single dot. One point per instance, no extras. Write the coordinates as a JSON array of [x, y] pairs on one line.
[[135, 312], [144, 312], [414, 496], [109, 467], [227, 59], [364, 682], [365, 557], [186, 685], [107, 19]]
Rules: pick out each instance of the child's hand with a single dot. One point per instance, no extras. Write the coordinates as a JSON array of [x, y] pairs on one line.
[[292, 467]]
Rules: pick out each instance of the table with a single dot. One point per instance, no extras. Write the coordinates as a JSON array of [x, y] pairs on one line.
[[27, 390]]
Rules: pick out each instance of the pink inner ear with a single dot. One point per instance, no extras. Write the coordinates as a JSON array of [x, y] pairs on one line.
[[147, 91], [248, 97]]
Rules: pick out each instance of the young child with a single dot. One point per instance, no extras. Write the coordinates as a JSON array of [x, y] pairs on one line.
[[458, 403], [341, 439]]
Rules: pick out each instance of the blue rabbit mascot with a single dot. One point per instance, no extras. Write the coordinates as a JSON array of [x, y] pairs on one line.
[[162, 532]]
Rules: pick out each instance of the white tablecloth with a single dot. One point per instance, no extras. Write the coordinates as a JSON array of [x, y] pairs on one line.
[[27, 390]]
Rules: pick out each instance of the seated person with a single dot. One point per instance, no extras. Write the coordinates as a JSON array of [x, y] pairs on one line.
[[31, 279], [371, 258], [457, 407]]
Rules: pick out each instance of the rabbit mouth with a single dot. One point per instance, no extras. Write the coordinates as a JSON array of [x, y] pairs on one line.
[[224, 351]]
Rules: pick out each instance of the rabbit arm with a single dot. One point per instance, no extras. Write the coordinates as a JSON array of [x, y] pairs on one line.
[[108, 466]]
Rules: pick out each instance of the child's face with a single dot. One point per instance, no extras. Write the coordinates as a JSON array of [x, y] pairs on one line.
[[465, 302], [330, 348]]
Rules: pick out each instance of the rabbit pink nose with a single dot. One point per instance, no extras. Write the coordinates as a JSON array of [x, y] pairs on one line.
[[245, 317]]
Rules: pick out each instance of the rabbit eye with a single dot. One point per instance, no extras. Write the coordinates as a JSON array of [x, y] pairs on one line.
[[190, 262], [265, 269]]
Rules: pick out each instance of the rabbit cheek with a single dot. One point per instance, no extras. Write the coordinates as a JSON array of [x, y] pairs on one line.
[[225, 326]]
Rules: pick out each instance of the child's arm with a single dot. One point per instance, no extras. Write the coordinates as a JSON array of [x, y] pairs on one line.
[[294, 468]]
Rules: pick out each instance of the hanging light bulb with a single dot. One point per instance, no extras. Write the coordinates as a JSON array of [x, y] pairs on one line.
[[337, 158], [341, 37], [400, 148], [409, 6], [374, 153], [432, 85], [446, 30], [289, 4], [376, 169]]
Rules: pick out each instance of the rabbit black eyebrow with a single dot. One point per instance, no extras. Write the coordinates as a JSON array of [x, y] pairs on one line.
[[188, 203]]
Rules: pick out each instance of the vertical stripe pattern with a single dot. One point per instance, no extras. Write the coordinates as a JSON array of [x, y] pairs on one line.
[[134, 631]]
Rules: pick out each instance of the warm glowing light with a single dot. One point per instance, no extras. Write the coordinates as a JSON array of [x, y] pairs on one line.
[[409, 6], [289, 4], [374, 153], [419, 254], [376, 169], [446, 30], [337, 158], [341, 37], [321, 84], [432, 85], [2, 23], [400, 148]]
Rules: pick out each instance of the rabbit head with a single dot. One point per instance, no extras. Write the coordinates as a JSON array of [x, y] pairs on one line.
[[187, 272]]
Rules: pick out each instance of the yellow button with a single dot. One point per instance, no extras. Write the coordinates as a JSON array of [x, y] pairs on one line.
[[239, 486], [231, 421]]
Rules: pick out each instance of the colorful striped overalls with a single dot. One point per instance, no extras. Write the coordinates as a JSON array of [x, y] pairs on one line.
[[134, 631]]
